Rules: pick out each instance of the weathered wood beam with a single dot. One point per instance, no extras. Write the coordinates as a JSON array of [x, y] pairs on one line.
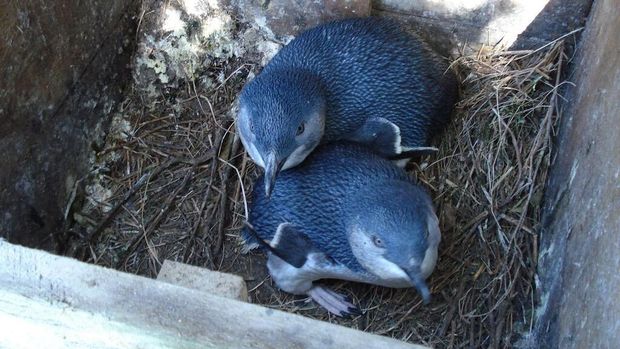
[[56, 302]]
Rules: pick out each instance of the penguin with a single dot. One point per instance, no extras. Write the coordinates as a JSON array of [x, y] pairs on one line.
[[365, 80], [345, 213]]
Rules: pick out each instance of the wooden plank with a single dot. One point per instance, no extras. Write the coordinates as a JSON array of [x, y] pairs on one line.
[[76, 305], [204, 280], [36, 323]]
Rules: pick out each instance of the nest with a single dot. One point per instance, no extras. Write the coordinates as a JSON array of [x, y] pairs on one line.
[[172, 182]]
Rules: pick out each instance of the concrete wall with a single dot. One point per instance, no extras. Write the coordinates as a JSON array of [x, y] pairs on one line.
[[62, 64], [580, 246], [457, 24]]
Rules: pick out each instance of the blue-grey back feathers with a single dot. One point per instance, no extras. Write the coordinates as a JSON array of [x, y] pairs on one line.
[[364, 67], [329, 189]]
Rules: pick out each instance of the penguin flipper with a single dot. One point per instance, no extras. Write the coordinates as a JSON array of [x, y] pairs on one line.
[[380, 134], [289, 243], [412, 152]]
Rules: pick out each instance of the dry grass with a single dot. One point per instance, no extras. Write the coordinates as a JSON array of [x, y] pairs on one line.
[[178, 180], [488, 183]]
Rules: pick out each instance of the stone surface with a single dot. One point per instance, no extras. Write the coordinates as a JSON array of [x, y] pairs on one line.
[[579, 264], [179, 40], [204, 280], [456, 24], [62, 65], [286, 17]]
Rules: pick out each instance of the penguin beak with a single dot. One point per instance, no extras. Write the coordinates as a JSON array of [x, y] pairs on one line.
[[272, 168], [415, 274]]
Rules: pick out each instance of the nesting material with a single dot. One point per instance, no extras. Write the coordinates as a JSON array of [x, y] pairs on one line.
[[176, 180]]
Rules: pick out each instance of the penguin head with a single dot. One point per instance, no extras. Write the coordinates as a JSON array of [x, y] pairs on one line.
[[281, 120], [394, 233]]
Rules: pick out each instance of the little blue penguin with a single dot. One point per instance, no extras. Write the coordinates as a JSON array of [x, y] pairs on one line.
[[345, 213], [365, 80]]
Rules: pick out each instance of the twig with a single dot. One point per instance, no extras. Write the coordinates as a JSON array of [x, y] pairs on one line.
[[189, 245], [158, 219], [452, 308], [217, 248], [145, 178]]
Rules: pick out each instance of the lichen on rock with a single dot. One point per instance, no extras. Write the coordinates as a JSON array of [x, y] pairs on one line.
[[182, 41]]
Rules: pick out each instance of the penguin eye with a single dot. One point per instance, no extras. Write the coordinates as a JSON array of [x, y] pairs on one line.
[[377, 241], [300, 129]]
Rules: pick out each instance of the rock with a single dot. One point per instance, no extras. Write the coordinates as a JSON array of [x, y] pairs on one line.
[[453, 24], [287, 18], [180, 42], [63, 65]]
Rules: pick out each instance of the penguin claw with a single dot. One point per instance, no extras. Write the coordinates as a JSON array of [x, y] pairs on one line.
[[345, 315], [333, 302], [344, 297], [355, 311]]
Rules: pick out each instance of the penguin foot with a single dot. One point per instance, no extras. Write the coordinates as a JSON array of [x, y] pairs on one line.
[[334, 302]]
